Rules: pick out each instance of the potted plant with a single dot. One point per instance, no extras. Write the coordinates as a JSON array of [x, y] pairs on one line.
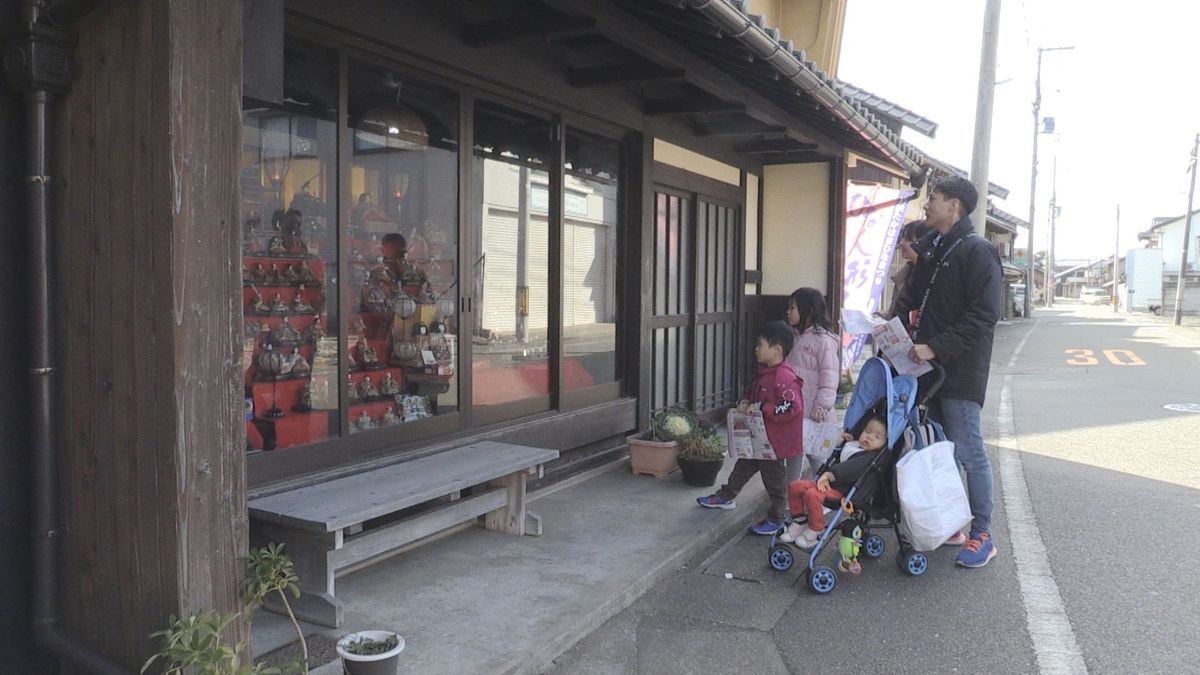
[[701, 457], [654, 451], [371, 652]]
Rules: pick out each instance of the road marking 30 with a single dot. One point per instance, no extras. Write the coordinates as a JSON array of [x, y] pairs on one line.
[[1117, 357]]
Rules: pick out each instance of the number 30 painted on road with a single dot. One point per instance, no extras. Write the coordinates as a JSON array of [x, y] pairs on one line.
[[1117, 357]]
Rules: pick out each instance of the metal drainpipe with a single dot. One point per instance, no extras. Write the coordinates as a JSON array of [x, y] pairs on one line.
[[739, 25], [37, 63]]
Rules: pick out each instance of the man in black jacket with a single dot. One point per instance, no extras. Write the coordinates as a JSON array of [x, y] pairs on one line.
[[955, 289]]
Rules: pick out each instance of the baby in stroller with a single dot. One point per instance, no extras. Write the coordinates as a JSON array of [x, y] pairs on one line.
[[806, 497]]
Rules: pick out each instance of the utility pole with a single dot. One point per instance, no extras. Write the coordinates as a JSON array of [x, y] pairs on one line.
[[1187, 234], [983, 111], [1116, 299], [1030, 285], [1050, 245]]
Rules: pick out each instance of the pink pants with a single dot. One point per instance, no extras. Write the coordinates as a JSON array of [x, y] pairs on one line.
[[805, 499]]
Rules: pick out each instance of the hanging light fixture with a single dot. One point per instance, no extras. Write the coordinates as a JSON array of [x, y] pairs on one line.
[[395, 125]]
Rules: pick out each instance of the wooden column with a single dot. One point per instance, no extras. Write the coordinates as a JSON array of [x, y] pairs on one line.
[[152, 503]]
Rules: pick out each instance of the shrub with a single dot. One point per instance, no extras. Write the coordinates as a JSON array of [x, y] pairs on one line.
[[704, 446]]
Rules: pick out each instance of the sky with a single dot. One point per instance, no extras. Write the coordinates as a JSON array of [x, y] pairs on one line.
[[1125, 107]]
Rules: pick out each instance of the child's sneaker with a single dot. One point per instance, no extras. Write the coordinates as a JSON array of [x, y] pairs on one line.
[[957, 539], [715, 501], [766, 527], [978, 551]]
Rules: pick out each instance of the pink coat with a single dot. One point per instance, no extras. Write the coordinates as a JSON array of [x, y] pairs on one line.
[[814, 357]]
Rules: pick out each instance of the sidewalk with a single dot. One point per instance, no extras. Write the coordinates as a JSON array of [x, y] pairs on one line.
[[485, 602]]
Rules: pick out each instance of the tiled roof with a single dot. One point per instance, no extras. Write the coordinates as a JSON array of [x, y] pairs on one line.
[[726, 34], [944, 169], [885, 107], [1004, 218]]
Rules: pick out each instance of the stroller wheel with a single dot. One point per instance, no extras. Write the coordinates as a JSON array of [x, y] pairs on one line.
[[821, 580], [781, 558], [873, 546], [912, 563]]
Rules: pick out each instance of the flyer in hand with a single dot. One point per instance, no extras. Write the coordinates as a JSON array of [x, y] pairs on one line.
[[890, 337], [748, 436]]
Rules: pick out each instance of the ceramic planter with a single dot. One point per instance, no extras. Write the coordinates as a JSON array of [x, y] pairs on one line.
[[655, 458], [700, 472], [387, 663]]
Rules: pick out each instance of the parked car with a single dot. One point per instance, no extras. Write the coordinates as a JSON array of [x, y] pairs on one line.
[[1095, 296], [1018, 296]]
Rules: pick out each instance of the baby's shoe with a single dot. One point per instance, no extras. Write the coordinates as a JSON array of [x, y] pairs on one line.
[[792, 532], [806, 539]]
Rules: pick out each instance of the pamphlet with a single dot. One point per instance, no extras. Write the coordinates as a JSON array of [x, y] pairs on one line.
[[747, 436], [889, 336]]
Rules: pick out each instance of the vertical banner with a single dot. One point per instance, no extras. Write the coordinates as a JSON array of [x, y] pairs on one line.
[[874, 217]]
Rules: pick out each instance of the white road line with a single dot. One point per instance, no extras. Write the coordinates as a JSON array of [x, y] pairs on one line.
[[1045, 616]]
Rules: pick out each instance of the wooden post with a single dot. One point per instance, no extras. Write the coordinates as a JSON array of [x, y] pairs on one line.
[[152, 449]]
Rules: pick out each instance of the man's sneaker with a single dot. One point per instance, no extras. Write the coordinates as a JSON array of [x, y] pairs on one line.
[[715, 501], [978, 551], [957, 540], [766, 528]]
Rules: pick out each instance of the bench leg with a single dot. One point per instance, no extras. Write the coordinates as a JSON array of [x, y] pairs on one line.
[[317, 602], [511, 518], [313, 558]]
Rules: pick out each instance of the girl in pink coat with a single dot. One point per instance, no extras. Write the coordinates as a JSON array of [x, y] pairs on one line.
[[814, 356]]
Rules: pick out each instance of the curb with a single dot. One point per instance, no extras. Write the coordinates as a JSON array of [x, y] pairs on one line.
[[543, 659]]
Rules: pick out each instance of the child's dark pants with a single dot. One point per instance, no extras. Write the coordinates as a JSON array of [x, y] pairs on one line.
[[774, 478]]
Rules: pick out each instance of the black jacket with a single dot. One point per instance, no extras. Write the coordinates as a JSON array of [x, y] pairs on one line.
[[964, 305], [847, 473]]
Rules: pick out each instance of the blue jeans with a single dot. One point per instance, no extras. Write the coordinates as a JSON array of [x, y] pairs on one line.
[[960, 420]]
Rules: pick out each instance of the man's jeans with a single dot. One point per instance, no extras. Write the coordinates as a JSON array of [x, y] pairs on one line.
[[960, 420]]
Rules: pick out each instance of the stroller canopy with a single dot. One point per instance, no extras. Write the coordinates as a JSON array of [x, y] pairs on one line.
[[875, 383]]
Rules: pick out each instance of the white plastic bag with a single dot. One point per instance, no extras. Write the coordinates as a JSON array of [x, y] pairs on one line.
[[933, 502]]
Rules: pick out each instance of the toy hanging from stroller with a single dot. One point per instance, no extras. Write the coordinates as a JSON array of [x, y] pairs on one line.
[[872, 502]]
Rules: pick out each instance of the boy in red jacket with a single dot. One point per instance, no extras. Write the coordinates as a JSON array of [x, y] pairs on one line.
[[776, 391]]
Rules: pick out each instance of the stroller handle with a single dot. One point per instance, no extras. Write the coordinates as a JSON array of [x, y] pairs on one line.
[[939, 379]]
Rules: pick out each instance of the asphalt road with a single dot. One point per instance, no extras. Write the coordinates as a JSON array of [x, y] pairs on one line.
[[1110, 506]]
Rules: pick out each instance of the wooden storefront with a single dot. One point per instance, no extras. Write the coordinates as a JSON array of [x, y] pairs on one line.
[[554, 286]]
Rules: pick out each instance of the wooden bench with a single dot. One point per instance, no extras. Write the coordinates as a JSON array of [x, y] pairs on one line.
[[323, 528]]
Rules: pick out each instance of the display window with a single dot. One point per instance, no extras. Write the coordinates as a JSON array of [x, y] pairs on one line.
[[513, 156], [290, 256], [403, 243], [398, 286], [591, 201]]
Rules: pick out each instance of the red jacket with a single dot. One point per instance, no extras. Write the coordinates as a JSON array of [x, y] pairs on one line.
[[781, 393]]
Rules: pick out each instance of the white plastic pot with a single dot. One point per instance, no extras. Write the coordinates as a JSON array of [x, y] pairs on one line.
[[387, 663]]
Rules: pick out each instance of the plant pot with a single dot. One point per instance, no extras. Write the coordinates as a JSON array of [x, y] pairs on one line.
[[387, 663], [700, 472], [656, 458]]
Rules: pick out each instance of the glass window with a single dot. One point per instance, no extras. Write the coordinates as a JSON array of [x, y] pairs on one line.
[[289, 255], [511, 180], [403, 246], [590, 203]]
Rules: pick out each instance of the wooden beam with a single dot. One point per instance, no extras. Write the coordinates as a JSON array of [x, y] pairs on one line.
[[735, 128], [597, 76], [773, 145], [635, 35], [689, 106], [488, 33], [796, 158]]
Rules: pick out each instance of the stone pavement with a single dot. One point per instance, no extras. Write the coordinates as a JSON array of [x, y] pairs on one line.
[[484, 602]]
